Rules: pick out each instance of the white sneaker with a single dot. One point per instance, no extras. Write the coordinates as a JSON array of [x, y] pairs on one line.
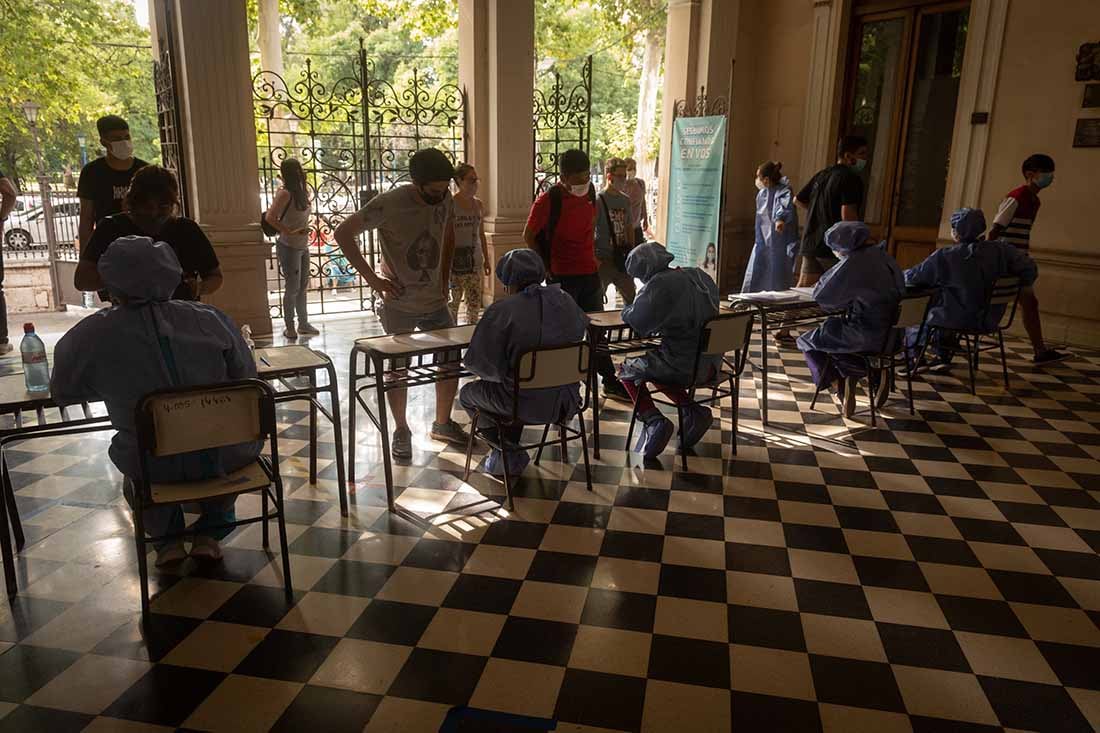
[[171, 553], [206, 548]]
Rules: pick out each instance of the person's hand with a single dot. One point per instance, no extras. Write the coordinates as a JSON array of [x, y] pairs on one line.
[[194, 285], [387, 288], [303, 230], [780, 226]]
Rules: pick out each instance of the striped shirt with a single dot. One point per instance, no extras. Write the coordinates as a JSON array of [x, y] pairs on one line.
[[1017, 215]]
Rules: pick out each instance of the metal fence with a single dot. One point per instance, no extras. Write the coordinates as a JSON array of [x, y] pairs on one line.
[[562, 121], [26, 231], [353, 136]]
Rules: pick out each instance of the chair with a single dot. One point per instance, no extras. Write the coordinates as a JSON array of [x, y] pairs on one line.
[[911, 312], [721, 335], [1005, 295], [540, 368], [181, 420]]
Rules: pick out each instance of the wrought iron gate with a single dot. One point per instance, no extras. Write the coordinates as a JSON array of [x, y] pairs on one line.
[[562, 121], [168, 107], [353, 136]]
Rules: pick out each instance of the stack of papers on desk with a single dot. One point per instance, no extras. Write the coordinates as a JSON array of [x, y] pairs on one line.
[[769, 296]]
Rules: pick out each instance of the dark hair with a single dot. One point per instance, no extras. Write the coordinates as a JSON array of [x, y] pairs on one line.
[[461, 171], [152, 184], [850, 144], [430, 165], [573, 161], [772, 170], [1038, 163], [294, 181], [110, 123]]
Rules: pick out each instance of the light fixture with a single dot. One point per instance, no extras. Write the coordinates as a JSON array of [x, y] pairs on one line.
[[81, 139], [30, 111]]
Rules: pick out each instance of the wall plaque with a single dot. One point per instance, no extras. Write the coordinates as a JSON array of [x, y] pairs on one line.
[[1092, 96], [1088, 62], [1087, 134]]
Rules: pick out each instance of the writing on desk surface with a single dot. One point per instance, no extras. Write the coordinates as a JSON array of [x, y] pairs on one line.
[[199, 402]]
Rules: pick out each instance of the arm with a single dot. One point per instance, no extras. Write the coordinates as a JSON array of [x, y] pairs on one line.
[[239, 362], [487, 355], [537, 219], [832, 291], [347, 235], [276, 210], [645, 208], [87, 222], [1005, 212], [87, 271], [87, 276], [851, 197], [447, 255], [924, 275], [208, 282], [803, 197], [484, 242], [73, 362], [849, 212], [644, 315], [7, 199]]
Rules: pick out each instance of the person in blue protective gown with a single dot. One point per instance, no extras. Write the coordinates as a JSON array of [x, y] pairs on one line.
[[676, 303], [533, 315], [771, 264], [146, 342], [867, 285]]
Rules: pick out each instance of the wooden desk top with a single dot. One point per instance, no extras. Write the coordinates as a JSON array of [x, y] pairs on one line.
[[418, 342], [606, 319], [286, 358], [14, 395]]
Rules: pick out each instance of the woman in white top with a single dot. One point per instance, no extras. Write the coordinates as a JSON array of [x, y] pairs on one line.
[[471, 255], [289, 215]]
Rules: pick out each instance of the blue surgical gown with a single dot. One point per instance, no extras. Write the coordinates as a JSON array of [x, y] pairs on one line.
[[771, 263]]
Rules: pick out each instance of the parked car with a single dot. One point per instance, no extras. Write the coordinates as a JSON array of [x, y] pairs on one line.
[[27, 231]]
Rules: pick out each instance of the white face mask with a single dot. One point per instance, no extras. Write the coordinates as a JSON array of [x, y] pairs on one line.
[[581, 190], [759, 185], [122, 149]]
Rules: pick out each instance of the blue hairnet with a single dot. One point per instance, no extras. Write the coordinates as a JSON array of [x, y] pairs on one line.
[[520, 268], [139, 270], [968, 224], [646, 260], [847, 236]]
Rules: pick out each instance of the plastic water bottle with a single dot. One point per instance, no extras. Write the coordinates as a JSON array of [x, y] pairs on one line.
[[36, 368]]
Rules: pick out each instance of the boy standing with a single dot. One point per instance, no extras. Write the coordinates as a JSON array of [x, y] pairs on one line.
[[415, 226], [104, 181], [614, 235], [1015, 218]]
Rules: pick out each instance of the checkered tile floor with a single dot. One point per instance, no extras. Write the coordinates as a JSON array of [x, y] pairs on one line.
[[939, 573]]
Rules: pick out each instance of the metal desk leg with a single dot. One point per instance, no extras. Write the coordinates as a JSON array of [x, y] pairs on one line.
[[764, 365], [334, 393], [594, 398], [353, 399], [313, 427], [13, 511], [383, 408], [5, 539]]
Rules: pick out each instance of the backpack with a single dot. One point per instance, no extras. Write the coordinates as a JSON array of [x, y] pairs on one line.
[[545, 238]]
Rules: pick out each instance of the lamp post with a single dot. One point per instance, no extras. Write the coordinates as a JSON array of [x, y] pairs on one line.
[[30, 111], [82, 139]]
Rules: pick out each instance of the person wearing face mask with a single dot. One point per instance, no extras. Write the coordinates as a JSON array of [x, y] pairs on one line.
[[416, 236], [561, 227], [104, 181], [867, 285], [471, 258], [532, 315], [833, 194], [1013, 223], [771, 264], [639, 210], [614, 235], [151, 207], [289, 215]]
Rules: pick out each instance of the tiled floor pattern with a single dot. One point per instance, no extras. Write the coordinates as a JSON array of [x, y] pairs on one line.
[[937, 574]]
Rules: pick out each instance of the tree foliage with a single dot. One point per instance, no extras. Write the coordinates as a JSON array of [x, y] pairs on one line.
[[50, 57]]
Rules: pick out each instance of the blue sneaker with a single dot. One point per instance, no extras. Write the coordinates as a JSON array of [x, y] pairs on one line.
[[517, 461], [697, 422], [654, 437]]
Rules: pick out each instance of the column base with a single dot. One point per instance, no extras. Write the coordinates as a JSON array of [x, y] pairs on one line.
[[243, 255]]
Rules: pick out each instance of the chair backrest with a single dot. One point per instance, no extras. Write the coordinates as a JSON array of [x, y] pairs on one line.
[[176, 421], [553, 366], [1004, 294], [912, 310], [726, 332]]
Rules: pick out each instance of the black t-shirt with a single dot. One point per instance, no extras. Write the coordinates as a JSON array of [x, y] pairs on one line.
[[104, 186], [195, 253], [829, 190]]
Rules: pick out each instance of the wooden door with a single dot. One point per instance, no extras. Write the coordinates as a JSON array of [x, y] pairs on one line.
[[901, 92]]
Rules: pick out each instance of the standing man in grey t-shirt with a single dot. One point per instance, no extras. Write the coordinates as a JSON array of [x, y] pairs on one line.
[[415, 225], [614, 235]]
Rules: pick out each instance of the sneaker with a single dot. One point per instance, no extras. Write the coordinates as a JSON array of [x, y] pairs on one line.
[[5, 348], [402, 444], [613, 389], [450, 432], [206, 548], [517, 461], [290, 333], [307, 330], [1050, 356], [655, 436], [696, 424], [171, 553]]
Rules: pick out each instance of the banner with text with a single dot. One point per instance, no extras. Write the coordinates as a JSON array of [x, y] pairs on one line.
[[695, 188]]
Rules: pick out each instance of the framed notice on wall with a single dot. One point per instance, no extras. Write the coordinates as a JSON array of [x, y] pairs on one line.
[[1087, 134], [1092, 96]]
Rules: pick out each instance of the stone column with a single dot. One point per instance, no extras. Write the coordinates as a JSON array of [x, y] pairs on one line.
[[496, 60], [214, 87], [823, 93]]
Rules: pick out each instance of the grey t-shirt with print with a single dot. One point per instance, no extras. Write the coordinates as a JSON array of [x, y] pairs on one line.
[[616, 206], [410, 234]]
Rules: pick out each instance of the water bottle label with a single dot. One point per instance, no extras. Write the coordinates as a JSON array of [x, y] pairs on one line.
[[34, 357]]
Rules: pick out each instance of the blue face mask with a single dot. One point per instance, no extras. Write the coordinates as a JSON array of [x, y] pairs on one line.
[[1044, 179], [859, 165]]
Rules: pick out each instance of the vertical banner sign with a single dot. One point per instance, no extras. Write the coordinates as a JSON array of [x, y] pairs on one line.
[[695, 188]]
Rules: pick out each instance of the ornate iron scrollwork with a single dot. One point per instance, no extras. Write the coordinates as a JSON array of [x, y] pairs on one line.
[[562, 121]]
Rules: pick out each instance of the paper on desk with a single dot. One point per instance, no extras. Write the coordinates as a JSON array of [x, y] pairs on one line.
[[808, 291], [769, 296]]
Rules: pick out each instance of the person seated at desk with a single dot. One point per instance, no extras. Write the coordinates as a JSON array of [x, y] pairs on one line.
[[532, 316], [964, 275], [676, 303], [867, 285], [146, 342]]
